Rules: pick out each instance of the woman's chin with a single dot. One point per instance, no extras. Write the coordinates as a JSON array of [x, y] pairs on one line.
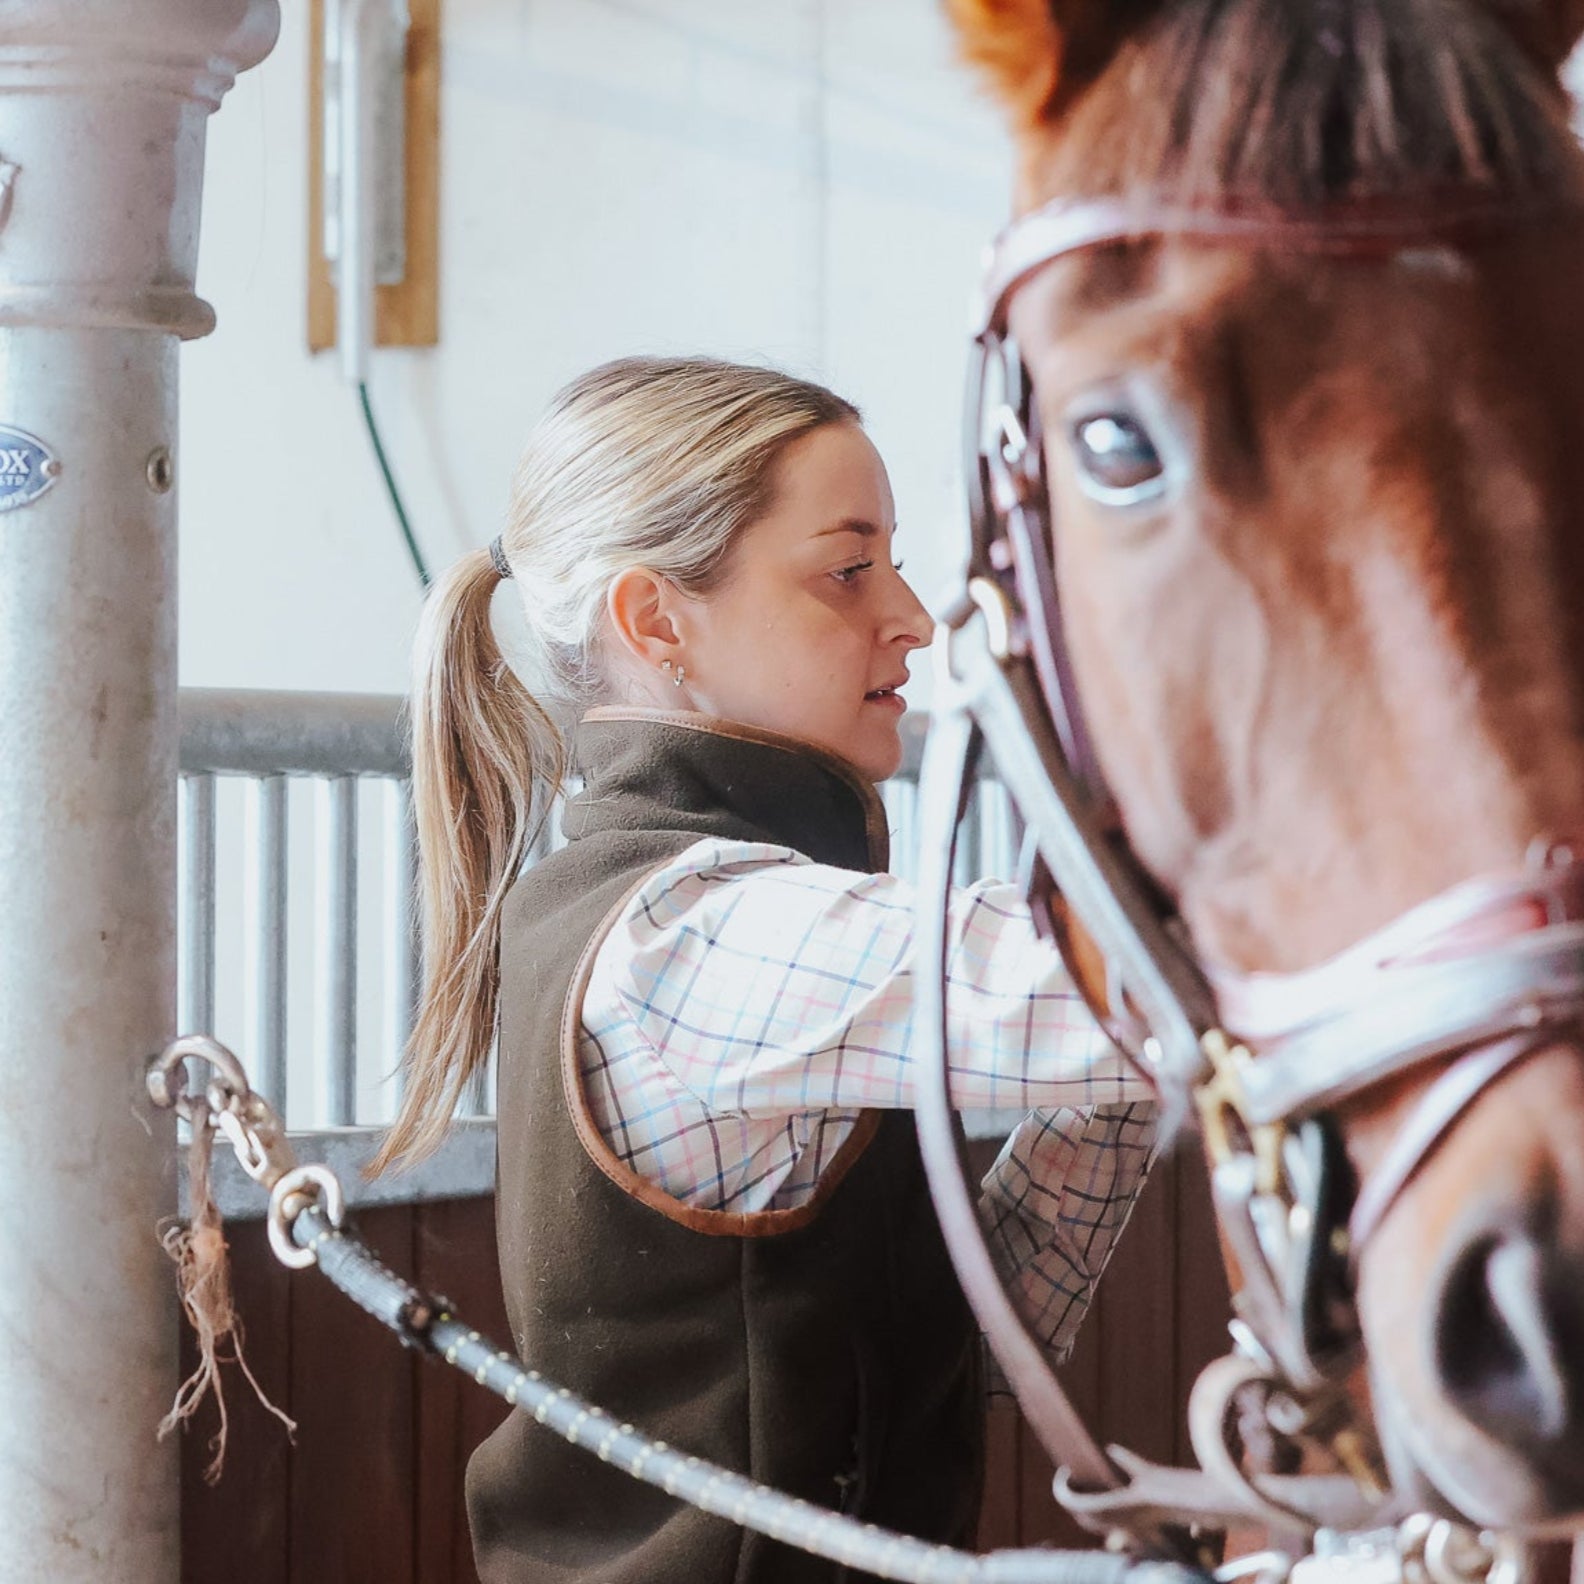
[[879, 756]]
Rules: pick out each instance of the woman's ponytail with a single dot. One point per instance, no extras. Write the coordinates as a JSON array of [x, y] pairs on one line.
[[652, 462], [487, 760]]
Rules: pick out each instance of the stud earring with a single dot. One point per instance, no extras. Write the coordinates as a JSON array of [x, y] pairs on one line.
[[676, 681]]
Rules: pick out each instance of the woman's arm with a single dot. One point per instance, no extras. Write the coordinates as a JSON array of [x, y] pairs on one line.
[[1054, 1205], [769, 986], [749, 1004]]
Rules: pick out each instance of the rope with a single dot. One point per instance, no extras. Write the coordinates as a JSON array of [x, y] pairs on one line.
[[203, 1283], [426, 1323], [305, 1227]]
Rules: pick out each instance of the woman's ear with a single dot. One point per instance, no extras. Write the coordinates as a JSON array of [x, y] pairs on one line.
[[638, 605], [1039, 53]]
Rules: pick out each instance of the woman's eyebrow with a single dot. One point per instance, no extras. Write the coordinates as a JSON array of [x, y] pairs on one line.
[[856, 525]]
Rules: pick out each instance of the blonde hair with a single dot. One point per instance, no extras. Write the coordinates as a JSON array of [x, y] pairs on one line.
[[654, 462]]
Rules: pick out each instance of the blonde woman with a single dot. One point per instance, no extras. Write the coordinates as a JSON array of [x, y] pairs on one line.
[[711, 1214]]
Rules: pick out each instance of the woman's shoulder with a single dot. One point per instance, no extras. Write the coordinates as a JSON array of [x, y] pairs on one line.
[[725, 880], [731, 870], [716, 861]]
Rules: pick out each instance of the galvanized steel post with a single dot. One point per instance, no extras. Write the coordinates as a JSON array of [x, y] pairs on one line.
[[103, 107]]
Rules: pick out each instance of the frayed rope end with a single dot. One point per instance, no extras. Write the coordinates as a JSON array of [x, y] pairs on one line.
[[203, 1280]]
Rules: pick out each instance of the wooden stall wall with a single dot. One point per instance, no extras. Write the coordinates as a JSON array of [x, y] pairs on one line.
[[369, 1490]]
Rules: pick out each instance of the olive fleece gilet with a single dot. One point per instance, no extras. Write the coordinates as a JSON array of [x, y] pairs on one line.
[[825, 1350]]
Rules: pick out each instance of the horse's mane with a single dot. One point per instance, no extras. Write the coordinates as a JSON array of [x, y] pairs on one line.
[[1310, 101]]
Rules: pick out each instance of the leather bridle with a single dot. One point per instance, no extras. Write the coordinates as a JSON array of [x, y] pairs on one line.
[[1475, 980]]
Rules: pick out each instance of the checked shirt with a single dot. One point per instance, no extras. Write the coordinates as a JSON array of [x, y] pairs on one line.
[[749, 1004]]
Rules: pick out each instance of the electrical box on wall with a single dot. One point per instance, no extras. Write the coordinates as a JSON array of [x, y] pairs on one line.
[[374, 119]]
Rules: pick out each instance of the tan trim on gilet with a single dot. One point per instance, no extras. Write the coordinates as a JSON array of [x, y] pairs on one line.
[[717, 1223]]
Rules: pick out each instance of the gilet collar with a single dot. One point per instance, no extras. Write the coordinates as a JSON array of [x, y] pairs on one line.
[[647, 769]]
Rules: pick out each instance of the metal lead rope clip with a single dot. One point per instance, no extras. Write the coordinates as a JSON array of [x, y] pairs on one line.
[[255, 1133], [297, 1191], [253, 1129]]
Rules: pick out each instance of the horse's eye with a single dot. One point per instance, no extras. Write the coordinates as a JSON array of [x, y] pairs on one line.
[[1117, 460]]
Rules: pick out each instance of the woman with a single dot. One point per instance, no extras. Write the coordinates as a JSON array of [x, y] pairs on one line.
[[711, 1213]]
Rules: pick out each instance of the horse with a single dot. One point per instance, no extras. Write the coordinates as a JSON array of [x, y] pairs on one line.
[[1306, 384]]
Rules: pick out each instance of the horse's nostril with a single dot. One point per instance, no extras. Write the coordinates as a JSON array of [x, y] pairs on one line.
[[1510, 1341]]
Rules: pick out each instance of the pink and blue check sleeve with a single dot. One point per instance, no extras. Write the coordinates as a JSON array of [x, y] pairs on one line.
[[749, 1004]]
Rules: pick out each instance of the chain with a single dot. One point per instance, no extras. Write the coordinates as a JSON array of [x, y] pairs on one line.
[[253, 1128]]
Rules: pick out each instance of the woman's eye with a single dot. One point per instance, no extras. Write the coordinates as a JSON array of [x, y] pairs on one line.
[[848, 573], [1117, 461]]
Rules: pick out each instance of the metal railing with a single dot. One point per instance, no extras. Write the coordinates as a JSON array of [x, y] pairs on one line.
[[255, 768], [264, 741]]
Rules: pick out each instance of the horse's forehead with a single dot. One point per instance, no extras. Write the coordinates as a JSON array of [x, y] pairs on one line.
[[1417, 413], [1420, 322], [1126, 290]]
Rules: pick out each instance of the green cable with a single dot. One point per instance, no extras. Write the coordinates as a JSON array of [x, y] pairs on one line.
[[390, 486]]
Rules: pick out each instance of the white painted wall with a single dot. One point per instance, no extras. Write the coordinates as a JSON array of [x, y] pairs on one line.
[[806, 182]]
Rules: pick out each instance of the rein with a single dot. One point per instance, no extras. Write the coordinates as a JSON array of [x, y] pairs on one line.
[[1476, 979]]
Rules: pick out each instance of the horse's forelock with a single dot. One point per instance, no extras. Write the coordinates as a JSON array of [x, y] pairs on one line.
[[1296, 101]]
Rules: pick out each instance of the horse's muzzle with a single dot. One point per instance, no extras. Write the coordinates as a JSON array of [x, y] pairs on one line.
[[1508, 1344]]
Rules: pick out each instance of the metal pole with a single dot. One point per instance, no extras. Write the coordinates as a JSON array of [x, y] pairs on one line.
[[103, 105]]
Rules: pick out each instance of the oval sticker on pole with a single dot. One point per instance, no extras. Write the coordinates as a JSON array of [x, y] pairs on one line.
[[27, 467]]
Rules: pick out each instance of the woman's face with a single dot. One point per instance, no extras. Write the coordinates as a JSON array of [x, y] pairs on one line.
[[809, 631]]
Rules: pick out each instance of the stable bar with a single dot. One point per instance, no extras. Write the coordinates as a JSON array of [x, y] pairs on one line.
[[337, 988], [965, 865], [267, 834], [476, 1096], [997, 847], [899, 796], [401, 930], [255, 732], [103, 112], [198, 905]]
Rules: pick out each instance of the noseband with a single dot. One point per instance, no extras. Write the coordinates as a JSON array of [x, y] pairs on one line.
[[1475, 980]]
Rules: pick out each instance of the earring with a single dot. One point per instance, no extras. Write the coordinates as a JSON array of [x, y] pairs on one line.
[[681, 671]]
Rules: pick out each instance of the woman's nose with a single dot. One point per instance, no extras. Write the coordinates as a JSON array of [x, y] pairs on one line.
[[915, 628]]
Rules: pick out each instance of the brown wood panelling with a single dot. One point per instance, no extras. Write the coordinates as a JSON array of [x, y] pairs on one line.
[[1158, 1318], [1204, 1304], [1043, 1521], [408, 312], [372, 1490], [353, 1494], [235, 1529], [1001, 1516], [456, 1258], [1135, 1313]]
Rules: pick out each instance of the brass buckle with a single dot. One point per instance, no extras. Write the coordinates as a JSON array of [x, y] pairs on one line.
[[1221, 1099]]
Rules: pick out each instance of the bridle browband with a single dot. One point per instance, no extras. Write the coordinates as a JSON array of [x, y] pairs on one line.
[[1476, 980]]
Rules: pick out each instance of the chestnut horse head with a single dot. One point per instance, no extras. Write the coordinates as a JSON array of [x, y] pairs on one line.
[[1320, 554]]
